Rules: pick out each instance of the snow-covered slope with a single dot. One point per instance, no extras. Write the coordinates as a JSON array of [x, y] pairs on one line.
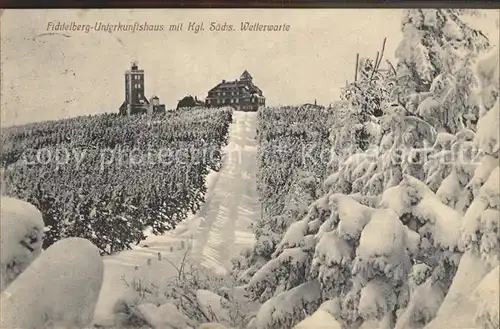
[[217, 232], [58, 290], [233, 205], [21, 233]]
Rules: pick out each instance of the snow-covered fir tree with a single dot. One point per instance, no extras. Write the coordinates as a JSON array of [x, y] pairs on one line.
[[390, 187]]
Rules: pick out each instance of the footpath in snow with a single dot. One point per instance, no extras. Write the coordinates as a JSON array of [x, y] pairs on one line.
[[217, 233], [233, 204]]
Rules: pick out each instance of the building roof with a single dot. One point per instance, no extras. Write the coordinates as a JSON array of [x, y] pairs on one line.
[[245, 76], [246, 84]]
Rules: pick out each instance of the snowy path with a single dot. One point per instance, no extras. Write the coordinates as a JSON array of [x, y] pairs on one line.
[[219, 231], [234, 205]]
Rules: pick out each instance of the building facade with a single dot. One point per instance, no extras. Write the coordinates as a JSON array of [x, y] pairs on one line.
[[189, 102], [242, 94], [135, 100]]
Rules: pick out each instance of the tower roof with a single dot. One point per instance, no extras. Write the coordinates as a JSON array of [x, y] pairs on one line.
[[245, 76]]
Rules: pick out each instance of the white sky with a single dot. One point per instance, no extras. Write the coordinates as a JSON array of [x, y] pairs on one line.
[[311, 61]]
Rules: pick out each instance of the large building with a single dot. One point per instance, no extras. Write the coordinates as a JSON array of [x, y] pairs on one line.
[[135, 100], [241, 94]]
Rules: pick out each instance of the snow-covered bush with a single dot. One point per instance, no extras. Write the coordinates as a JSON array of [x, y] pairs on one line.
[[21, 237], [293, 155], [486, 296], [480, 231], [165, 316], [283, 310], [58, 290], [212, 325], [107, 178], [193, 296], [387, 234], [472, 299], [436, 43], [319, 320]]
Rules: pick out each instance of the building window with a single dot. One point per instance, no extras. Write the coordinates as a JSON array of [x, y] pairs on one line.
[[224, 93], [139, 85], [139, 95]]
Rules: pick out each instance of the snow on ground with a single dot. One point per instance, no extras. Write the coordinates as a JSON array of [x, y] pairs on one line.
[[319, 320], [58, 290], [21, 233], [219, 231], [458, 310], [233, 205]]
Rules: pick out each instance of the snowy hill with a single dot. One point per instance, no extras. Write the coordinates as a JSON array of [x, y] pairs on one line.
[[218, 232]]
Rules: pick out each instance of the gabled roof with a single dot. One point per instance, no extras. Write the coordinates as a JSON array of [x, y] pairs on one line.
[[229, 84], [245, 82], [245, 76]]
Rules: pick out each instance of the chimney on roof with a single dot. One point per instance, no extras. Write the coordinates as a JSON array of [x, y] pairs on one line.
[[223, 81]]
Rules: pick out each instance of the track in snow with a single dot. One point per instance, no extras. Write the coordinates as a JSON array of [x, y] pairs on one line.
[[233, 204], [219, 231]]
